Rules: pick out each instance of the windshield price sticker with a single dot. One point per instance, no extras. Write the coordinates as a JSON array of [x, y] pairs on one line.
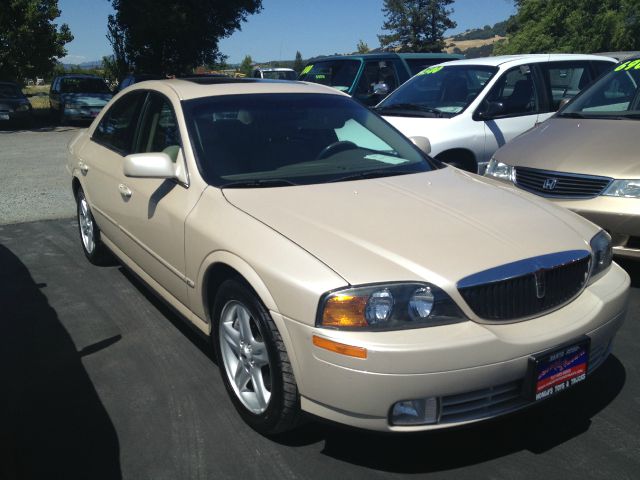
[[306, 70], [430, 70], [561, 370], [628, 65]]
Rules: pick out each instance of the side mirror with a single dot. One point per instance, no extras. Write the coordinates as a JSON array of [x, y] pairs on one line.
[[492, 110], [564, 101], [149, 165], [381, 89], [422, 143]]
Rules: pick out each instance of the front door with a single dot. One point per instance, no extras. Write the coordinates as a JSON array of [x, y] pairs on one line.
[[518, 94]]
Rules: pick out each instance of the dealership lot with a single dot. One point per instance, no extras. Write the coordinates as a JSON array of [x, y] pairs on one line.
[[102, 381]]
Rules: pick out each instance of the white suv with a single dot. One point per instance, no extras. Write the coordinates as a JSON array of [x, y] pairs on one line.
[[470, 108]]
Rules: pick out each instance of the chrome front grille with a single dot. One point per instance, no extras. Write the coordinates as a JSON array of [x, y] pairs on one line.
[[526, 288], [560, 184]]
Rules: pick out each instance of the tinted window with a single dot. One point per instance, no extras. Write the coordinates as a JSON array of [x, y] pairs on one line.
[[159, 129], [339, 74], [377, 73], [602, 67], [316, 139], [10, 91], [416, 65], [616, 94], [83, 85], [516, 90], [565, 80], [117, 127], [438, 91], [279, 75]]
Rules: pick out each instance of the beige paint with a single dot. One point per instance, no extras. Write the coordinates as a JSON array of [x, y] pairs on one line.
[[293, 244], [600, 147]]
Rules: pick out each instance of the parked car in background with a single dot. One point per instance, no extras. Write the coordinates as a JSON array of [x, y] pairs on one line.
[[469, 108], [585, 158], [372, 76], [78, 97], [329, 259], [275, 73], [15, 108], [136, 78]]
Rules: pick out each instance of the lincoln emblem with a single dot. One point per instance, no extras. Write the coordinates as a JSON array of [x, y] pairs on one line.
[[541, 284]]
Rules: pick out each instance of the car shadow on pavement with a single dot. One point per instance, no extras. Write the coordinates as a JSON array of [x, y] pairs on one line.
[[537, 430], [52, 422]]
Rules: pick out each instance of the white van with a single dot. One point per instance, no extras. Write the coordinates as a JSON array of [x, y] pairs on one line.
[[470, 108]]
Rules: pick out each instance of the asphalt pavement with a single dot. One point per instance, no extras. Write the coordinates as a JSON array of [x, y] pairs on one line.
[[98, 379]]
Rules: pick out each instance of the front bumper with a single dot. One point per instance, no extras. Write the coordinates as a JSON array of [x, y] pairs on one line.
[[619, 216], [476, 371], [84, 113]]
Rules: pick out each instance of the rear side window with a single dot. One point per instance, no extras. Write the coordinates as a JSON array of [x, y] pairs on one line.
[[565, 80], [117, 127]]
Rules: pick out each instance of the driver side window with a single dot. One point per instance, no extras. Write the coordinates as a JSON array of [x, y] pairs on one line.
[[516, 90], [159, 131]]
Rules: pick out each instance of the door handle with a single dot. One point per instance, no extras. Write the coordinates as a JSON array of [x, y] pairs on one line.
[[84, 168], [124, 191]]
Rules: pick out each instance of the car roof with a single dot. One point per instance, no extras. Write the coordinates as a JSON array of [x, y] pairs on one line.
[[386, 56], [528, 58], [198, 87]]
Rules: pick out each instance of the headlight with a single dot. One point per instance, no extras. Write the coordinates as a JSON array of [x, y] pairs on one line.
[[602, 253], [500, 170], [388, 307], [73, 105], [623, 188], [23, 107]]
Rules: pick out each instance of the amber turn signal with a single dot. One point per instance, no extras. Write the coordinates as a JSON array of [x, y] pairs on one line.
[[340, 348], [344, 311]]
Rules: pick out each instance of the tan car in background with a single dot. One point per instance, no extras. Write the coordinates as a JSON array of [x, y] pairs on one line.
[[586, 157], [338, 269]]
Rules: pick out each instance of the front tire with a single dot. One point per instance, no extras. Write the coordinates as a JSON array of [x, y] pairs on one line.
[[95, 251], [253, 361]]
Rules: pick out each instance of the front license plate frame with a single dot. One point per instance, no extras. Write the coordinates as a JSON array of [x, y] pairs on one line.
[[558, 369]]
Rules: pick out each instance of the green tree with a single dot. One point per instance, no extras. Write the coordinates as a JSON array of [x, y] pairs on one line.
[[416, 25], [246, 66], [298, 64], [363, 47], [580, 26], [173, 36], [30, 43]]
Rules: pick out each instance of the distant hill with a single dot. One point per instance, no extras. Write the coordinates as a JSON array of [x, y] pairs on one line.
[[485, 33], [83, 66]]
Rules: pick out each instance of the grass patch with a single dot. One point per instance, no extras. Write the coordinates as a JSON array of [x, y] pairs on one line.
[[38, 96]]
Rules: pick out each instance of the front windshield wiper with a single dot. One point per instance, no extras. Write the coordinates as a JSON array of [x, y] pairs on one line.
[[260, 183], [420, 110], [372, 174]]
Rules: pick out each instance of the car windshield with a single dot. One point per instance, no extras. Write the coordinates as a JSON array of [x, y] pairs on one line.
[[441, 91], [83, 85], [10, 91], [263, 140], [279, 74], [339, 74], [615, 95]]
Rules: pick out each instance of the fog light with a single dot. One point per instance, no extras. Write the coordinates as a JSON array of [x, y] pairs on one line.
[[423, 411]]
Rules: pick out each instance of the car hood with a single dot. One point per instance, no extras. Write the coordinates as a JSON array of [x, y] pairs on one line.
[[589, 146], [88, 99], [438, 226]]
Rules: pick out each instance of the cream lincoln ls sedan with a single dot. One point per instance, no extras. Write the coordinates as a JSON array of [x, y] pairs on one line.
[[338, 270]]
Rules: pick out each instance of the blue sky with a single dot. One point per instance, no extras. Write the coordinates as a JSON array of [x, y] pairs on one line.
[[314, 27]]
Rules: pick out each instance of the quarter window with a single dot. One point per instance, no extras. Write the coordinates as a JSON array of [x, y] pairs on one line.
[[516, 90], [116, 129]]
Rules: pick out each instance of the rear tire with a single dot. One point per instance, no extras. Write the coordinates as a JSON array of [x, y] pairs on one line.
[[92, 246], [253, 361]]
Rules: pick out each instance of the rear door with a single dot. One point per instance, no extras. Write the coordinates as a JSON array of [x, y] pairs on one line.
[[518, 91]]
